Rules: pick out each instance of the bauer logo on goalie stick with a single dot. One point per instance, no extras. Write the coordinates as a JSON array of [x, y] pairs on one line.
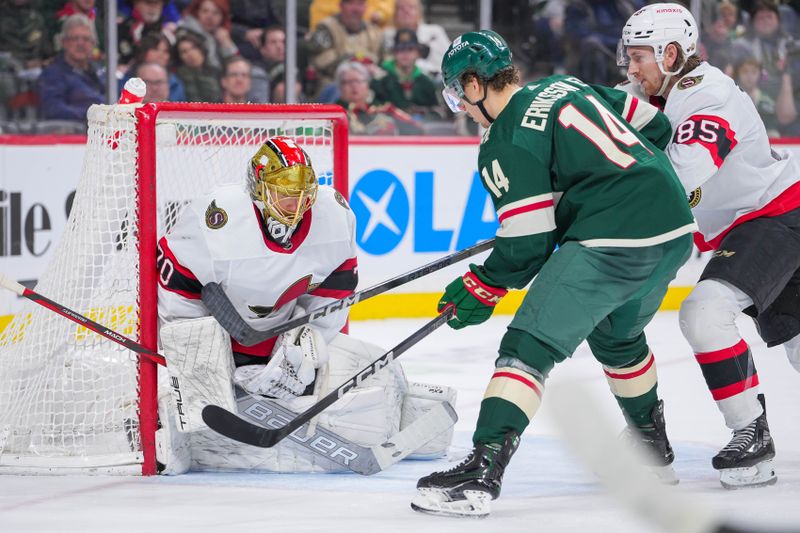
[[335, 451], [216, 217]]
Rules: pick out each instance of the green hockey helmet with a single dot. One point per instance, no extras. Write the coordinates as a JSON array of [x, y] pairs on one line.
[[483, 52]]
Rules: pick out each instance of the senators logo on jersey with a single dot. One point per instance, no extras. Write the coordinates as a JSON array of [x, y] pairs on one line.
[[694, 197], [689, 81], [216, 217]]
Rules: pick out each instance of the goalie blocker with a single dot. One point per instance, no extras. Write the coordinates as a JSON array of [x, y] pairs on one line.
[[200, 372]]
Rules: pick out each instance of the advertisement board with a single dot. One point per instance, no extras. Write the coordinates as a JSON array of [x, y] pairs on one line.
[[415, 200]]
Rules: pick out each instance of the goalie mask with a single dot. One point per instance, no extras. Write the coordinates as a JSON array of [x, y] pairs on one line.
[[281, 179]]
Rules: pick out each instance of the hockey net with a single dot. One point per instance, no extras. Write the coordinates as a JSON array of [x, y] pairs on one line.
[[70, 400]]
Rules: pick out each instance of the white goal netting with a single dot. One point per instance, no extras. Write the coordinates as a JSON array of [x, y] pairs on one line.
[[69, 399]]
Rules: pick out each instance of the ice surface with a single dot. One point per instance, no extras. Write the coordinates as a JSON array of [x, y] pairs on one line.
[[544, 489]]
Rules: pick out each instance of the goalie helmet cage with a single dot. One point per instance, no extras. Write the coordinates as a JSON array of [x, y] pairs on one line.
[[71, 400]]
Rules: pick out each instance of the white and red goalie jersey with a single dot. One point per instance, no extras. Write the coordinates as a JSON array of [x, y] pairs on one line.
[[220, 238], [721, 153]]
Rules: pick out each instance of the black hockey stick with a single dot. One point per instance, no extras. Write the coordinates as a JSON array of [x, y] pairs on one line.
[[230, 425], [78, 318], [222, 309]]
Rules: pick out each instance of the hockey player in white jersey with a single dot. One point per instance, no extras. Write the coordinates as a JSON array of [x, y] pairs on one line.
[[745, 198], [278, 248]]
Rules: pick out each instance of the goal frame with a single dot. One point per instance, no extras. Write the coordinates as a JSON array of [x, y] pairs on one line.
[[146, 119]]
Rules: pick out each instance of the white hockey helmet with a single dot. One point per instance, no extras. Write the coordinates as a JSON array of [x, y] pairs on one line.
[[656, 26]]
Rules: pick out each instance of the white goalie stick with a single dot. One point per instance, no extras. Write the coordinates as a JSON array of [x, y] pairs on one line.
[[588, 433], [365, 460], [222, 309], [232, 426]]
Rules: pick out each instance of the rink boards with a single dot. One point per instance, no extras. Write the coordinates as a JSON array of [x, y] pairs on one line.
[[415, 200]]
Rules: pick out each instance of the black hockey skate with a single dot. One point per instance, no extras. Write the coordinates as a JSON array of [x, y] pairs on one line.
[[652, 438], [746, 461], [466, 490]]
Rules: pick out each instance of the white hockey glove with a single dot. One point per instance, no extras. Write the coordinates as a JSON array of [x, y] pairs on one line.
[[291, 368]]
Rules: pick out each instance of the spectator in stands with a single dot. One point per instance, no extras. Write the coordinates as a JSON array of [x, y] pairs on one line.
[[72, 82], [408, 16], [405, 84], [545, 45], [78, 7], [23, 34], [171, 13], [272, 52], [378, 12], [747, 74], [365, 116], [769, 45], [200, 80], [146, 18], [248, 20], [592, 32], [211, 19], [236, 82], [157, 81], [729, 13], [717, 41], [278, 90], [155, 48], [342, 37]]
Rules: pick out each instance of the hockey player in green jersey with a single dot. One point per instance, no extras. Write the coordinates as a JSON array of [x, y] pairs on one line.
[[591, 207]]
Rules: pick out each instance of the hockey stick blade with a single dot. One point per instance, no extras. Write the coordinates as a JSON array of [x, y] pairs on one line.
[[365, 460], [81, 320], [228, 424], [221, 307]]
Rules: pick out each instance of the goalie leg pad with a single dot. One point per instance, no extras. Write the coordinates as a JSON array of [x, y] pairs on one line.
[[173, 448], [418, 400], [367, 415], [200, 367]]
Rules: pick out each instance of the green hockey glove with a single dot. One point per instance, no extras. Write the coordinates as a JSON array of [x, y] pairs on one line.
[[473, 299]]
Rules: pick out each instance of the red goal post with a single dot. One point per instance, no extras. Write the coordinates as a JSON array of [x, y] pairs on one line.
[[71, 401]]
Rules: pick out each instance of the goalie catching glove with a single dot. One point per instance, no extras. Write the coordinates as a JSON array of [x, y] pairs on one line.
[[473, 298], [292, 367]]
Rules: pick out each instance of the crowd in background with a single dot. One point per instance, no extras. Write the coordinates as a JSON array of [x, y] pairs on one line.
[[379, 59]]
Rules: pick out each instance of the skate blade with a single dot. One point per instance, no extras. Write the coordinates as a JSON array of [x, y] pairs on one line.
[[476, 504], [760, 475], [665, 474]]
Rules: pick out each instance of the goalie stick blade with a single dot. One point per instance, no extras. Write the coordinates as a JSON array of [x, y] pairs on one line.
[[420, 432], [363, 460]]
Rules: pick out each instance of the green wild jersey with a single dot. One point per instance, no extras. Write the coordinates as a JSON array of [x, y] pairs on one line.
[[562, 164]]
